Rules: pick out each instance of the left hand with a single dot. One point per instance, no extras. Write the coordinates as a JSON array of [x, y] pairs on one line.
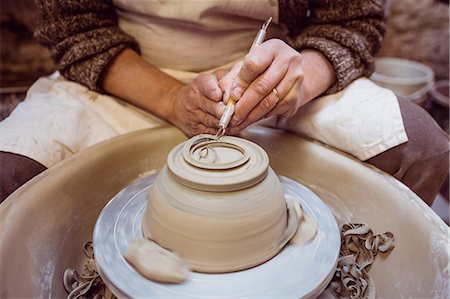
[[275, 80], [197, 107]]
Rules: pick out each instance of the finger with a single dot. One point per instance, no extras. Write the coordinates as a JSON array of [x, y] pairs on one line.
[[209, 120], [209, 87], [285, 107], [262, 109], [211, 107], [220, 73], [258, 90], [290, 92], [231, 131], [225, 85], [254, 64], [227, 81]]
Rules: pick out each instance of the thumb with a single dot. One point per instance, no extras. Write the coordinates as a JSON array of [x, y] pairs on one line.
[[228, 82]]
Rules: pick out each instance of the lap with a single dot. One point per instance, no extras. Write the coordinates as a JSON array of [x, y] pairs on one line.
[[59, 118], [362, 120]]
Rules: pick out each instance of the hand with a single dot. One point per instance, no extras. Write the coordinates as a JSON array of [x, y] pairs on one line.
[[194, 108], [197, 107], [275, 80]]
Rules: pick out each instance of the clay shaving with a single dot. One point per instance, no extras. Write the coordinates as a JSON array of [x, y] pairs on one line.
[[88, 283], [359, 247]]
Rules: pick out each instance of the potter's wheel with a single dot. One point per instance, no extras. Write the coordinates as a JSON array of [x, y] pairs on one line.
[[297, 271]]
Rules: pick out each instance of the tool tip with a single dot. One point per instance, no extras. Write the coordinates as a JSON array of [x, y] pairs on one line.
[[266, 24], [220, 132]]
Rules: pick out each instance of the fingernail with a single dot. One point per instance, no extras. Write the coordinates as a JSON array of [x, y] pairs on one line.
[[231, 131], [235, 121], [237, 93], [225, 98], [218, 94], [220, 110]]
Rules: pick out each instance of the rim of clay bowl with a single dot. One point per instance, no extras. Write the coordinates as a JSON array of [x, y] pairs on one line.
[[248, 168], [205, 144]]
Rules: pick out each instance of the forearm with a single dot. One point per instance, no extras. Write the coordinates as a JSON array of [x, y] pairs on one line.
[[129, 77], [82, 37], [347, 32]]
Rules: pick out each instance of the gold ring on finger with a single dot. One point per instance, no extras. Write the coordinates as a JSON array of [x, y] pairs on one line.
[[275, 92]]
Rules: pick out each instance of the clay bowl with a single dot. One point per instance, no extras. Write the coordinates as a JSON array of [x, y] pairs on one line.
[[46, 222], [218, 205]]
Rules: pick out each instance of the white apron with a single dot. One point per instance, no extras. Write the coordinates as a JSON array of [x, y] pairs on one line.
[[184, 38]]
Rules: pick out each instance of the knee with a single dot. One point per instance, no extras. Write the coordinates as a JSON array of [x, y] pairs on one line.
[[422, 162], [16, 171], [424, 159], [426, 140], [439, 159]]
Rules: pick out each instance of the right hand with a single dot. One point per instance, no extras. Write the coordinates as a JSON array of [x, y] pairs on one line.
[[197, 107]]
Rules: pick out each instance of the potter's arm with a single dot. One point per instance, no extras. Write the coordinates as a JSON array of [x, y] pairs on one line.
[[347, 32], [90, 48], [83, 37]]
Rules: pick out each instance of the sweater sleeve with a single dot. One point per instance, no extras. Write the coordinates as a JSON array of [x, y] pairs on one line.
[[348, 32], [82, 36]]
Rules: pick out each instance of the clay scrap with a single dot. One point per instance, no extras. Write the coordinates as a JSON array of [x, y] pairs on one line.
[[155, 262], [359, 247], [88, 283]]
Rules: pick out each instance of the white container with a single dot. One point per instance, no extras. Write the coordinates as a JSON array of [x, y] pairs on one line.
[[406, 78], [440, 92]]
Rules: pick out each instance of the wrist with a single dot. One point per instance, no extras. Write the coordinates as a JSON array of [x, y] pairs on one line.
[[168, 102], [319, 73]]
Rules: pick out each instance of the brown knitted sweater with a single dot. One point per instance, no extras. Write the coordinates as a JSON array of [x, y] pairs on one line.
[[83, 35]]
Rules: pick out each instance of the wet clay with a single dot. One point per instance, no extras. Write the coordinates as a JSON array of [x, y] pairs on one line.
[[307, 226], [159, 264], [218, 205], [155, 262], [221, 207]]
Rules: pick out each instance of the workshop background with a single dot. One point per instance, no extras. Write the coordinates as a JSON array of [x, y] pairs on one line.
[[416, 30]]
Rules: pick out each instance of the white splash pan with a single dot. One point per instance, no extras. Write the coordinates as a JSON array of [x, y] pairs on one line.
[[45, 223]]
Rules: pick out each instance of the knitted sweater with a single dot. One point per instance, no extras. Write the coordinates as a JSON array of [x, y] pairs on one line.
[[83, 35]]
